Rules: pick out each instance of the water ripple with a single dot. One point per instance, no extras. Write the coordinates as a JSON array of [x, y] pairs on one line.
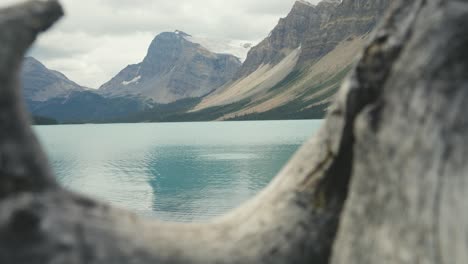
[[177, 172]]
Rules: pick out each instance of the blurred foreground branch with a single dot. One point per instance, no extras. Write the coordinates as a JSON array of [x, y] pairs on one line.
[[395, 139]]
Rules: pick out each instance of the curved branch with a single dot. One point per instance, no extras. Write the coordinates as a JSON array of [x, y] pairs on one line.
[[23, 166], [291, 221], [408, 197], [294, 220]]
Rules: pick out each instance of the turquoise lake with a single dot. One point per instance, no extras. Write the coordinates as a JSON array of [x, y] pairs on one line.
[[173, 171]]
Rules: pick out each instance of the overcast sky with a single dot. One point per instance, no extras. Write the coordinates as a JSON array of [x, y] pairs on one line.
[[98, 38]]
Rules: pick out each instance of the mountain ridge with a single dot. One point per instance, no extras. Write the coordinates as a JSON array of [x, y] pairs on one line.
[[282, 69], [173, 69], [41, 83], [293, 73]]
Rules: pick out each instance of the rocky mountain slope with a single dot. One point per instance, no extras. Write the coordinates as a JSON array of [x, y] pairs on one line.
[[41, 83], [237, 48], [177, 66], [294, 72], [87, 106], [174, 68], [50, 94]]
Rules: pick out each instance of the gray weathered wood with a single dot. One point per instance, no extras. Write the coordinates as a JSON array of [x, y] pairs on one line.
[[397, 130], [22, 164], [289, 222], [409, 192]]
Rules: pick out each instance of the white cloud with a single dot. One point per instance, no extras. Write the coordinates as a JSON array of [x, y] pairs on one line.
[[97, 38], [90, 60]]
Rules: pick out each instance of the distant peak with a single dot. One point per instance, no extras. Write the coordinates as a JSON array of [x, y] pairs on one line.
[[30, 58], [33, 61], [181, 33], [303, 2], [302, 6], [246, 45]]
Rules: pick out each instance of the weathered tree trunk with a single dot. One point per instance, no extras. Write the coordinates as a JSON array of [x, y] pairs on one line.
[[397, 130], [409, 189], [289, 222]]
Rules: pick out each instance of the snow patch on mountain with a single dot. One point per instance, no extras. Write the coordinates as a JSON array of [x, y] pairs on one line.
[[134, 80], [238, 48]]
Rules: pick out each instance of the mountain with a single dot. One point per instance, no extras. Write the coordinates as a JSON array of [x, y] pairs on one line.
[[41, 84], [237, 48], [174, 68], [50, 95], [292, 74], [296, 70], [87, 106], [40, 120]]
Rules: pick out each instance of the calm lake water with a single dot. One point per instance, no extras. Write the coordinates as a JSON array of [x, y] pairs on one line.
[[173, 171]]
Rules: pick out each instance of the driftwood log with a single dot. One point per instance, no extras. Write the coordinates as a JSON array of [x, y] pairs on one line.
[[384, 181]]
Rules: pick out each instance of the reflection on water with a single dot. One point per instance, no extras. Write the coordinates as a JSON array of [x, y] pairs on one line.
[[173, 171]]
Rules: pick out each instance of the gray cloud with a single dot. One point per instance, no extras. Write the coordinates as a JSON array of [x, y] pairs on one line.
[[97, 38]]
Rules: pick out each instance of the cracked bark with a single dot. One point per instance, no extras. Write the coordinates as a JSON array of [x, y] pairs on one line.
[[395, 138], [409, 183]]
